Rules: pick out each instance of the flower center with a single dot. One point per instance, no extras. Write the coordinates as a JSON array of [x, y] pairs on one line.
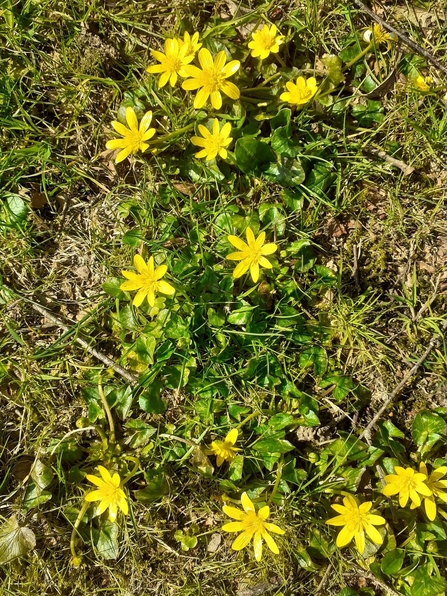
[[150, 283], [215, 81], [252, 523], [256, 256], [267, 41], [137, 141], [173, 64]]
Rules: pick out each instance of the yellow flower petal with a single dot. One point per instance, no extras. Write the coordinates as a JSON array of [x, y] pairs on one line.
[[246, 503], [233, 512], [165, 288], [257, 546], [271, 543], [233, 527], [241, 541], [344, 537], [232, 436], [105, 474], [359, 538], [237, 242]]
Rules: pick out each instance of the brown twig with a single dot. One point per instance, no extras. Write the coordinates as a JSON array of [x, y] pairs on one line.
[[434, 343], [408, 42], [130, 378], [321, 586], [375, 580], [397, 163]]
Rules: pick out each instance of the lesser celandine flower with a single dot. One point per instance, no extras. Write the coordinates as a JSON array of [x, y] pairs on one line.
[[408, 484], [301, 92], [356, 519], [214, 143], [265, 41], [172, 62], [252, 525], [147, 281], [109, 493], [211, 79], [225, 450], [252, 254], [423, 83], [192, 45], [437, 486], [134, 137], [379, 35]]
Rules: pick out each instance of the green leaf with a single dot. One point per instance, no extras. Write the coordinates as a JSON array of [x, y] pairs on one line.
[[282, 118], [316, 357], [15, 541], [280, 421], [236, 468], [287, 172], [253, 155], [34, 497], [272, 214], [132, 238], [242, 315], [42, 474], [428, 429], [271, 445], [106, 540], [151, 403], [334, 66], [140, 432], [369, 114], [157, 487], [426, 585], [320, 178], [177, 327], [122, 401], [176, 376], [392, 562], [284, 143], [305, 257], [216, 318], [16, 209], [112, 287]]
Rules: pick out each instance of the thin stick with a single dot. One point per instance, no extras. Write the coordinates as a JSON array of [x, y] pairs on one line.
[[397, 163], [130, 378], [434, 343], [411, 44], [375, 580]]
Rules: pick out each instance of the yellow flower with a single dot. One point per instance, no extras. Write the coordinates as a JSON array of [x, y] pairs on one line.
[[380, 36], [251, 525], [147, 281], [300, 93], [357, 520], [109, 493], [213, 143], [252, 254], [265, 41], [224, 450], [172, 62], [408, 484], [211, 80], [423, 83], [133, 137], [192, 45], [437, 486]]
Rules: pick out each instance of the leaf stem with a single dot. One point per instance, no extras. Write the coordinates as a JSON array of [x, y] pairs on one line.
[[135, 468], [107, 411], [76, 559], [278, 478], [359, 56]]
